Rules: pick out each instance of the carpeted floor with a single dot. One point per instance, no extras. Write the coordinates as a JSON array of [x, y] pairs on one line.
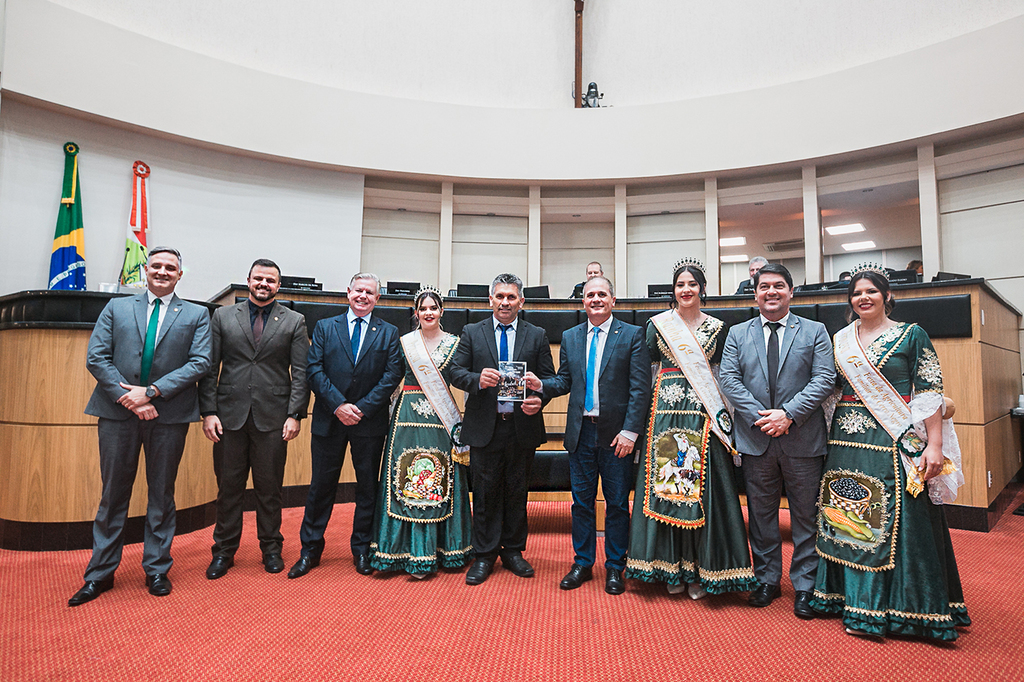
[[336, 624]]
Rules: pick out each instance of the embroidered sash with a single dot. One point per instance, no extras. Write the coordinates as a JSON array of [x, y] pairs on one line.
[[884, 403], [689, 355], [434, 387]]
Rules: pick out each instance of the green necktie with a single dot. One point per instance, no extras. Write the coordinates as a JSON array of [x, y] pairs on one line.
[[150, 345]]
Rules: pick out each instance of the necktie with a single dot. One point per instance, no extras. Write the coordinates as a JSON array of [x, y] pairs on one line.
[[355, 339], [503, 348], [773, 359], [588, 402], [257, 327], [150, 345]]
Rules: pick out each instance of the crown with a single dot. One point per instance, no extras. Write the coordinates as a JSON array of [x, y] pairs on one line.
[[690, 261], [425, 289], [870, 267]]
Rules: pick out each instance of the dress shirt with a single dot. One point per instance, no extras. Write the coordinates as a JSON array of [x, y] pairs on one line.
[[165, 302], [781, 332], [505, 406], [351, 317], [255, 310]]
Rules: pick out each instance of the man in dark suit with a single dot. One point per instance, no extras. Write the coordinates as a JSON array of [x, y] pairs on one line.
[[503, 436], [776, 371], [594, 269], [354, 366], [251, 402], [147, 352], [755, 264], [605, 368]]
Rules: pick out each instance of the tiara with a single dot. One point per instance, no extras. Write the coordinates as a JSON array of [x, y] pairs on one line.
[[689, 261], [426, 288], [870, 267]]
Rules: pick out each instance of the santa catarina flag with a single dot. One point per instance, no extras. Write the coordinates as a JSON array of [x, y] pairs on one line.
[[67, 261], [133, 270]]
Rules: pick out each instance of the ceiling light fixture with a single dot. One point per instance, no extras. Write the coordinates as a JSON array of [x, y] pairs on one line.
[[738, 258], [732, 241], [859, 246], [845, 229]]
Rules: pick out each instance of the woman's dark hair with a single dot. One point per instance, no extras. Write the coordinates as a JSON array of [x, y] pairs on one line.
[[419, 300], [702, 282], [880, 282]]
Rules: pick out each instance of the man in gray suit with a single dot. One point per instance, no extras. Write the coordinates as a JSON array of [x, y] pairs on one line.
[[147, 352], [251, 402], [605, 368], [776, 371]]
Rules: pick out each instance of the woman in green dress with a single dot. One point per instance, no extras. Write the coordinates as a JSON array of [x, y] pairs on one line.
[[687, 526], [887, 563], [423, 519]]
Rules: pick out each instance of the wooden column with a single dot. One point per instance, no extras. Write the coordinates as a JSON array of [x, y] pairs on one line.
[[928, 194], [712, 264], [533, 239], [444, 246]]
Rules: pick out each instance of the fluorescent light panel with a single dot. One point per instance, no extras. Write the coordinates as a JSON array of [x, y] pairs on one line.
[[732, 241], [845, 229], [859, 246], [738, 258]]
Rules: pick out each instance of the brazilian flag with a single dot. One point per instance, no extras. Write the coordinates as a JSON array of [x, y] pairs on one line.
[[67, 261]]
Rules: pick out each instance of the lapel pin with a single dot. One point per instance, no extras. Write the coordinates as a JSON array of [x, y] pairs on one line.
[[373, 329], [275, 319], [175, 310]]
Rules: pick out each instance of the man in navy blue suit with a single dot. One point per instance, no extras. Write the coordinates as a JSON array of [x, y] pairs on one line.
[[354, 367], [605, 368]]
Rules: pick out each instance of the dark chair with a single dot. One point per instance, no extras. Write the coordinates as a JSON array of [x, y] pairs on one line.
[[454, 320], [400, 316], [550, 471], [732, 316], [314, 312], [833, 316], [554, 322], [808, 312], [477, 314], [945, 317], [624, 315]]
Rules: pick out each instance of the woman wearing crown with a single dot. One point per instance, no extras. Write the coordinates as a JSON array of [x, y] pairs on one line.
[[687, 526], [886, 561], [423, 519]]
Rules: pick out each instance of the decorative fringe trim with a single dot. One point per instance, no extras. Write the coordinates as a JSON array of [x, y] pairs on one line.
[[744, 582], [892, 622]]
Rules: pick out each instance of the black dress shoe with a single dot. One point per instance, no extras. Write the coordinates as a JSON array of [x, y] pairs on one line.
[[219, 567], [91, 590], [159, 584], [576, 576], [273, 563], [764, 595], [613, 583], [304, 565], [802, 605], [518, 565], [362, 562], [479, 571]]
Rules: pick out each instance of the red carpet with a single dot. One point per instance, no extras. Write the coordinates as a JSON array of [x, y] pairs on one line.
[[336, 624]]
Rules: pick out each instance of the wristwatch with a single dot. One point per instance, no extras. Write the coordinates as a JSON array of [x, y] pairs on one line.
[[151, 391]]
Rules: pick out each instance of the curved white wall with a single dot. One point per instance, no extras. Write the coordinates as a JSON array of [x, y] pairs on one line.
[[62, 56]]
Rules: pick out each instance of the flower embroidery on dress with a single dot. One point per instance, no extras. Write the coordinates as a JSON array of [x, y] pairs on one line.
[[928, 369], [692, 396], [853, 421], [673, 393], [423, 407]]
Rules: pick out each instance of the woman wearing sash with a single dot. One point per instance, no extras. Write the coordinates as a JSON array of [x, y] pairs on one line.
[[687, 526], [423, 520], [886, 562]]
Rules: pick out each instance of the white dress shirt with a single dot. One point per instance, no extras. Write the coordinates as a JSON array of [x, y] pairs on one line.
[[351, 317]]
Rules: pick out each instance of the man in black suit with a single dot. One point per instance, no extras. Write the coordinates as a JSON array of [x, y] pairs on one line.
[[755, 264], [605, 368], [147, 352], [251, 402], [354, 367], [503, 436], [594, 269]]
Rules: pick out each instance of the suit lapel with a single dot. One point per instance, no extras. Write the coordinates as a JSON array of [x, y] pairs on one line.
[[141, 307], [346, 340], [173, 308], [757, 340], [369, 336], [520, 340], [242, 316], [792, 329], [487, 327], [610, 343]]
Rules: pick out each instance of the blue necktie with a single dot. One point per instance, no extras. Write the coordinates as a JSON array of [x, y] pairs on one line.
[[503, 349], [355, 339], [588, 403]]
